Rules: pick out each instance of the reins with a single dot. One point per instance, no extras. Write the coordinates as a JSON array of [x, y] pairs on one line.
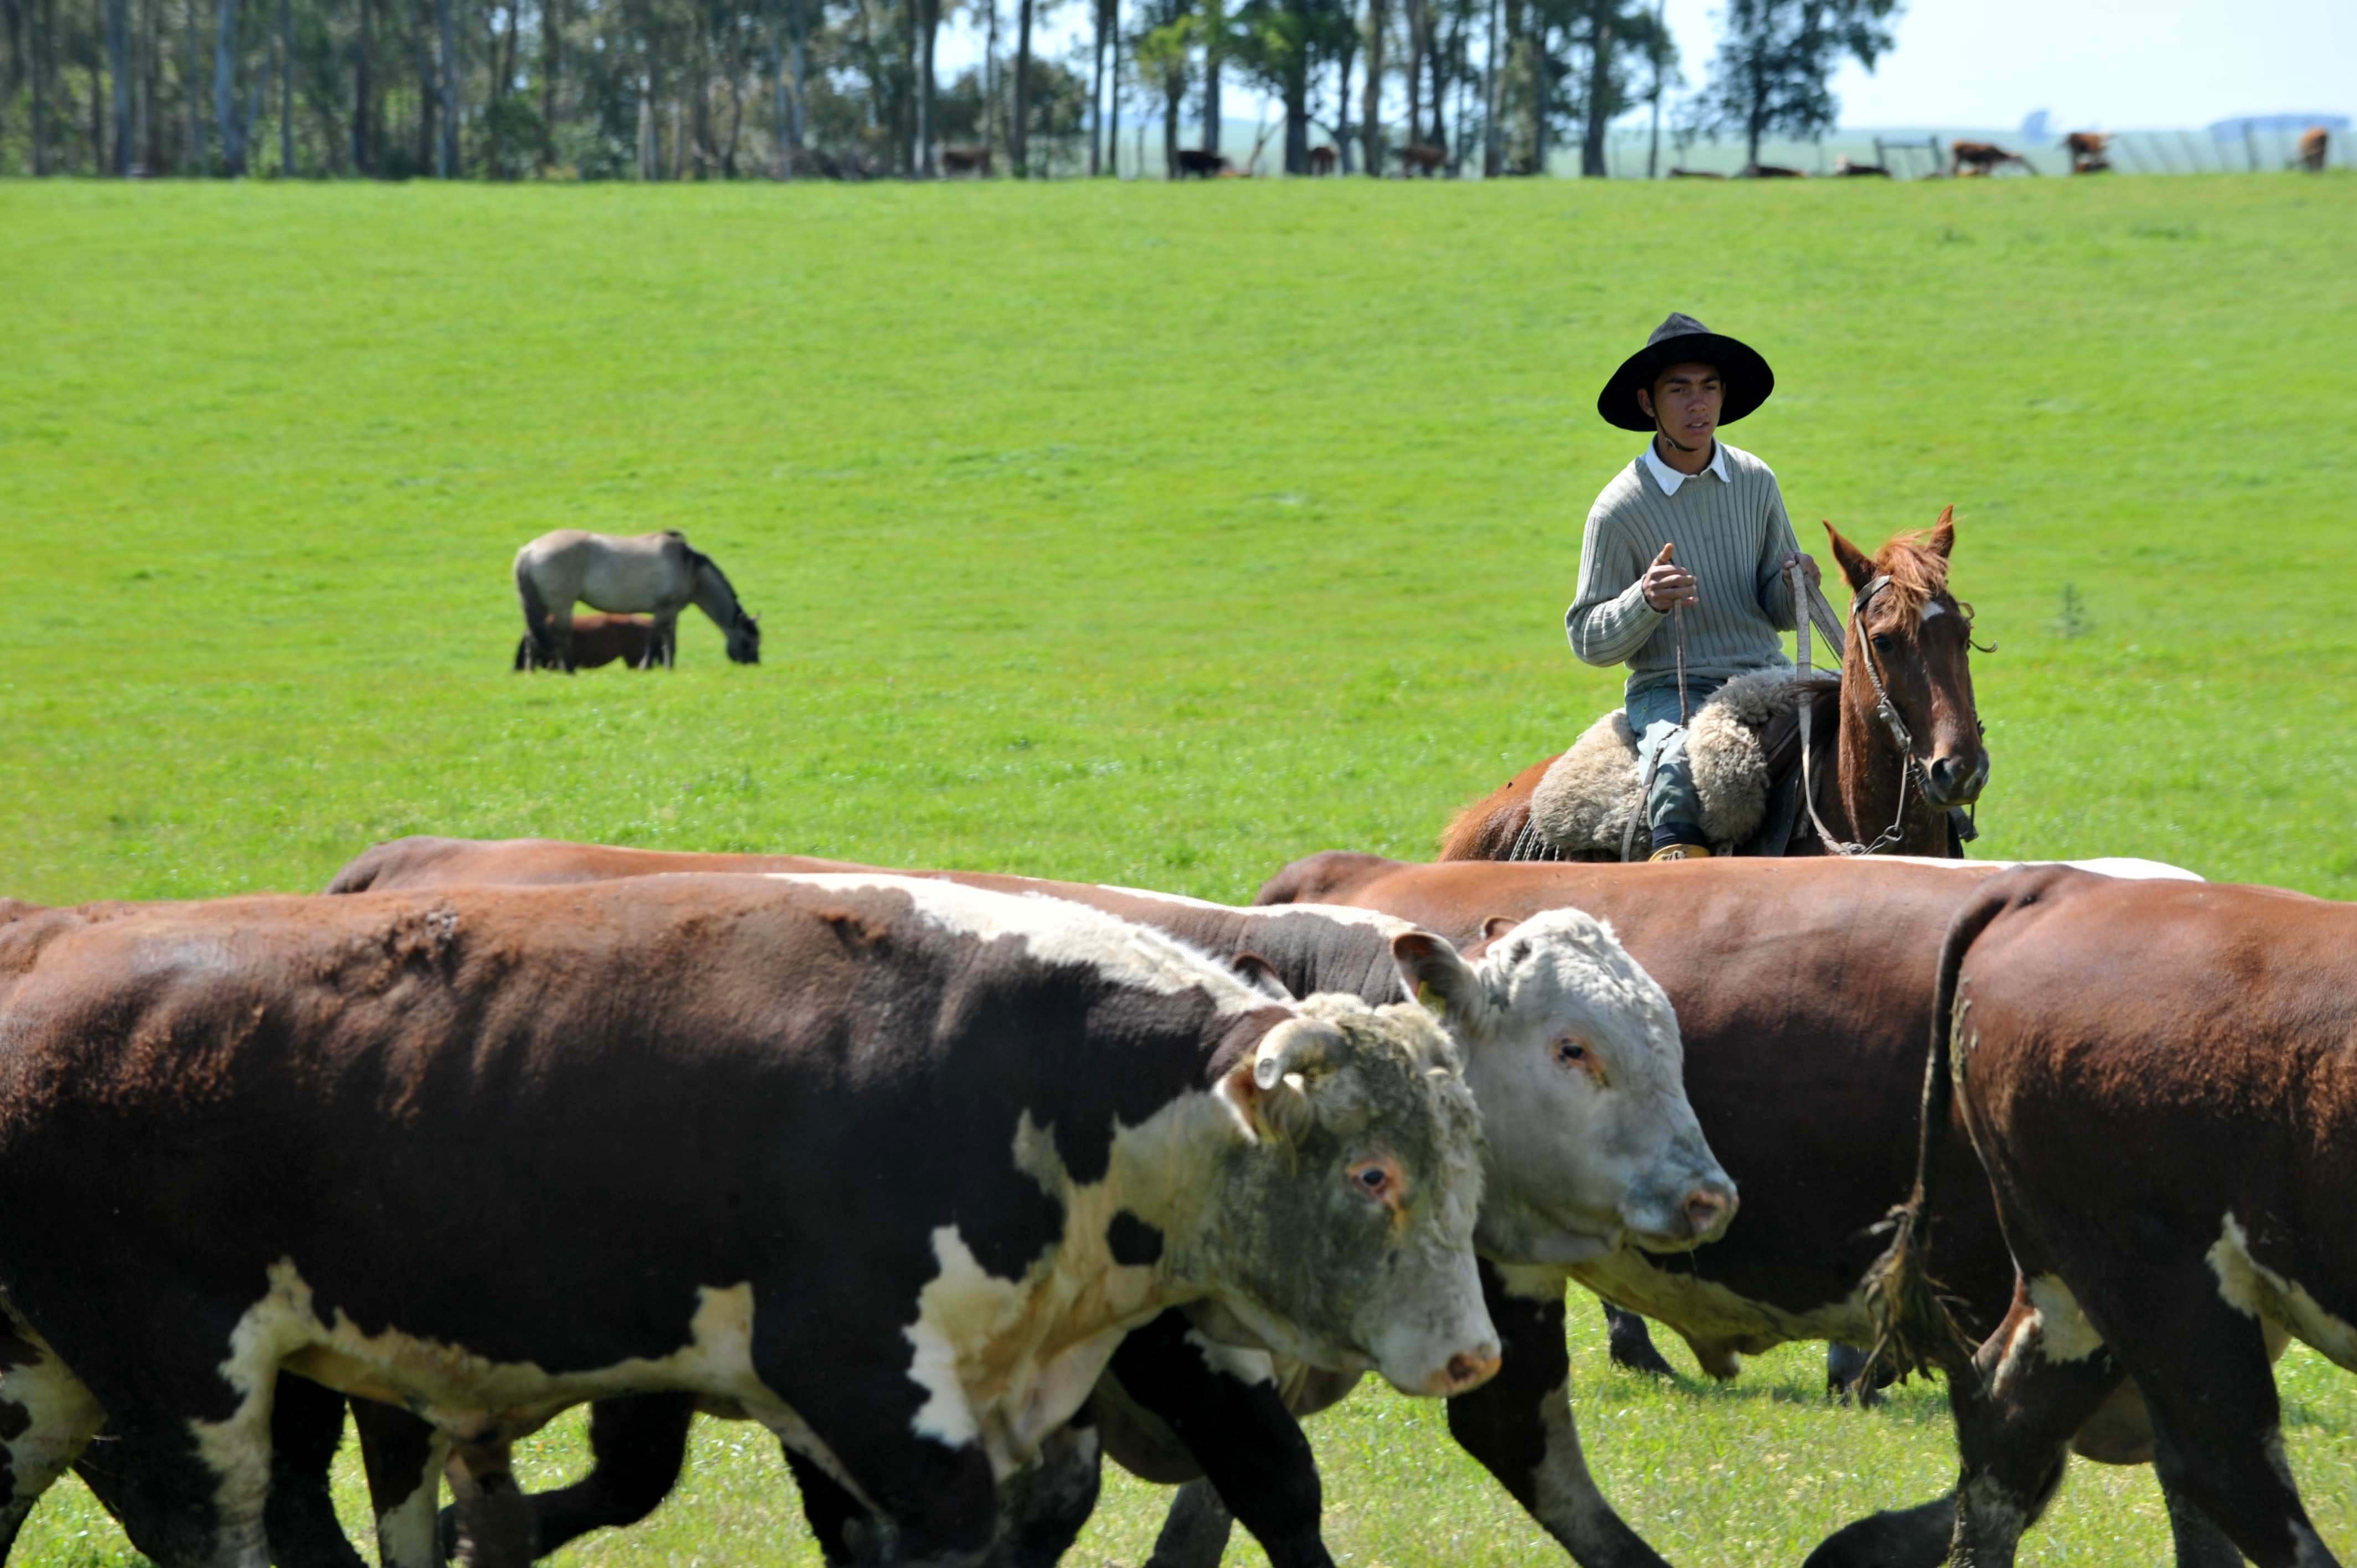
[[1884, 709]]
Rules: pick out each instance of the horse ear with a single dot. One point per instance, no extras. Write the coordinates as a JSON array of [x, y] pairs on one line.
[[1856, 565], [1943, 537]]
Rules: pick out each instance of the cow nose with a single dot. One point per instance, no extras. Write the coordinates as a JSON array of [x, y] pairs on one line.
[[1469, 1369], [1708, 1209]]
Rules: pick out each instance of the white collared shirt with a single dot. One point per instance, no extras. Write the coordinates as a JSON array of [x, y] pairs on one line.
[[1669, 479]]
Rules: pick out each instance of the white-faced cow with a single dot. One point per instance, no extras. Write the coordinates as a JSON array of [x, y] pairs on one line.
[[889, 1165], [1594, 1147], [2160, 1080]]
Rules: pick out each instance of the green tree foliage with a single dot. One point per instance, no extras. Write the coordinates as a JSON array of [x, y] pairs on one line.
[[1775, 58], [1280, 44]]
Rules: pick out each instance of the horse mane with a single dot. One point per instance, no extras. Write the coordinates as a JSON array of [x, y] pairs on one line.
[[697, 560], [1918, 573]]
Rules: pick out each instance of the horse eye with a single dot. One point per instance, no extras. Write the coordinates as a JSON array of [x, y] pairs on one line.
[[1881, 642]]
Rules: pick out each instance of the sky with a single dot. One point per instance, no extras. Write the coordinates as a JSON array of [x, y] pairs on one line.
[[2113, 64]]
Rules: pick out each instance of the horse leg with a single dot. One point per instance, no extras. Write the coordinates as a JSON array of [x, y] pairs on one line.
[[663, 647]]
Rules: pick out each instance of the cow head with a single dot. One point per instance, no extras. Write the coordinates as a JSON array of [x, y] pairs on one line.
[[1574, 1054], [1342, 1229]]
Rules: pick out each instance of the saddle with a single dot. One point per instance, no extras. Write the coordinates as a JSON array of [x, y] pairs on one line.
[[1744, 744]]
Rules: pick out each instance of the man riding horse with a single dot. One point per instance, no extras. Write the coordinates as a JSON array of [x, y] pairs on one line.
[[1683, 569]]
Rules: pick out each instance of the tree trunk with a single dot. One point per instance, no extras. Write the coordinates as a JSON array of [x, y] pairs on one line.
[[1416, 16], [1215, 23], [796, 58], [285, 89], [118, 69], [361, 118], [1096, 95], [1113, 109], [928, 87], [45, 23], [1173, 90], [448, 166], [990, 83], [1600, 88], [1296, 114], [1371, 120], [1542, 94], [1654, 152], [1493, 98], [1346, 49], [552, 43], [225, 113], [1018, 134]]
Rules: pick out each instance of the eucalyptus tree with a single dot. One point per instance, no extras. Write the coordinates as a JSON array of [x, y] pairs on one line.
[[1775, 58], [1280, 43]]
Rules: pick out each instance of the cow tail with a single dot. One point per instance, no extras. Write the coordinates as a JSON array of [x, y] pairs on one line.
[[1914, 1327]]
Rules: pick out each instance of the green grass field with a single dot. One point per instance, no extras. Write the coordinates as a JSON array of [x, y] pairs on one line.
[[1152, 535]]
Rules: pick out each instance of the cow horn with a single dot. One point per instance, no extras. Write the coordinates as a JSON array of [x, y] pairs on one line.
[[1295, 1045]]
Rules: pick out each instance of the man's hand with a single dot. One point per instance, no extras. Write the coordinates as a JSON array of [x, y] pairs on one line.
[[1666, 584], [1808, 565]]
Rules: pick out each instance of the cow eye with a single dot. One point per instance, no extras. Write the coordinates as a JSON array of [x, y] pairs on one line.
[[1372, 1178], [1571, 1053]]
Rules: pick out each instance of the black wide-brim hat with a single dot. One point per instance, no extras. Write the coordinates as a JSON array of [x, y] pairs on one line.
[[1677, 341]]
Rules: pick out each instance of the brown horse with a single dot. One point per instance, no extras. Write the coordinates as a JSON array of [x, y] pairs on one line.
[[1919, 640]]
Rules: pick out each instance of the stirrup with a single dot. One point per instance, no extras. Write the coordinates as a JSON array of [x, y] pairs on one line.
[[1681, 852]]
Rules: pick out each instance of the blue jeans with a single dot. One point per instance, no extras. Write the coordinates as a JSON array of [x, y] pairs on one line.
[[1654, 716]]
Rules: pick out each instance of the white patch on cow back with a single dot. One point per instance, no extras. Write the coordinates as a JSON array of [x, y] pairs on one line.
[[2251, 1287], [1059, 931], [2126, 868]]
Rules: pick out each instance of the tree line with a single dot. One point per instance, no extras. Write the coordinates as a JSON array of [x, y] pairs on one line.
[[668, 89]]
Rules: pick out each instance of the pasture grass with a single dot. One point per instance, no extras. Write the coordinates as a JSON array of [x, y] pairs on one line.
[[1152, 535]]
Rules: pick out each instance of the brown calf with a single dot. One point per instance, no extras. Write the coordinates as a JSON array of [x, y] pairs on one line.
[[1201, 164], [600, 638], [2161, 1080], [1321, 160], [1422, 157], [974, 161], [2313, 147]]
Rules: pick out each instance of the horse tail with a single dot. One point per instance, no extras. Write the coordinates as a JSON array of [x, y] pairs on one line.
[[1912, 1322]]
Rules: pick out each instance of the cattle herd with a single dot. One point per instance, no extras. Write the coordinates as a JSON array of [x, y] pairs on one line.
[[959, 1183]]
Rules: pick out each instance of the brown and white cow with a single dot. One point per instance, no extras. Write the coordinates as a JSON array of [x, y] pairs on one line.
[[890, 1166], [1593, 1149], [2161, 1081], [1803, 990]]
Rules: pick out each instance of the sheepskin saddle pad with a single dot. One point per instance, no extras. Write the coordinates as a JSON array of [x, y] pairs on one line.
[[1586, 801]]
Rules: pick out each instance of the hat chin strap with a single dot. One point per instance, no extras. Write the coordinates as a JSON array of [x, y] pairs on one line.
[[1660, 430]]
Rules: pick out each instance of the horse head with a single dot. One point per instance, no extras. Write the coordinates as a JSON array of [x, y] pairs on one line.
[[744, 640], [1907, 666]]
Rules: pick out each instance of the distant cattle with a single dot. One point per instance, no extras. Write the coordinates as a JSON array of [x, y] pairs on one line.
[[1847, 169], [600, 639], [1540, 981], [1982, 158], [2086, 150], [2314, 145], [965, 160], [2161, 1081], [1694, 174], [1202, 164], [1772, 171], [1321, 160], [687, 1136], [1421, 158]]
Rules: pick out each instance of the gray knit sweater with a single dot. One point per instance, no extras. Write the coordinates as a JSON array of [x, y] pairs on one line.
[[1732, 534]]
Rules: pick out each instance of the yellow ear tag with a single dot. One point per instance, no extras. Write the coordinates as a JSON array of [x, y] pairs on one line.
[[1431, 1000]]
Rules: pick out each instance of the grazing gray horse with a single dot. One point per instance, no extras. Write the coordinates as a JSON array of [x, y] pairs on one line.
[[652, 573]]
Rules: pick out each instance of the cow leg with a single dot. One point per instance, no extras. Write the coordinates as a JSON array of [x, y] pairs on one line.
[[2216, 1423], [188, 1491], [403, 1458], [47, 1419], [307, 1427], [2199, 1540], [1519, 1423], [494, 1518], [1043, 1507], [827, 1509], [2040, 1375], [1249, 1446], [1195, 1533], [637, 1445], [1845, 1366], [1632, 1343]]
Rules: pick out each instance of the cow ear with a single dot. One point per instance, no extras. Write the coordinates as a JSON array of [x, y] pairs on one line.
[[1856, 565], [1943, 537], [1497, 925], [1435, 976], [1260, 974]]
